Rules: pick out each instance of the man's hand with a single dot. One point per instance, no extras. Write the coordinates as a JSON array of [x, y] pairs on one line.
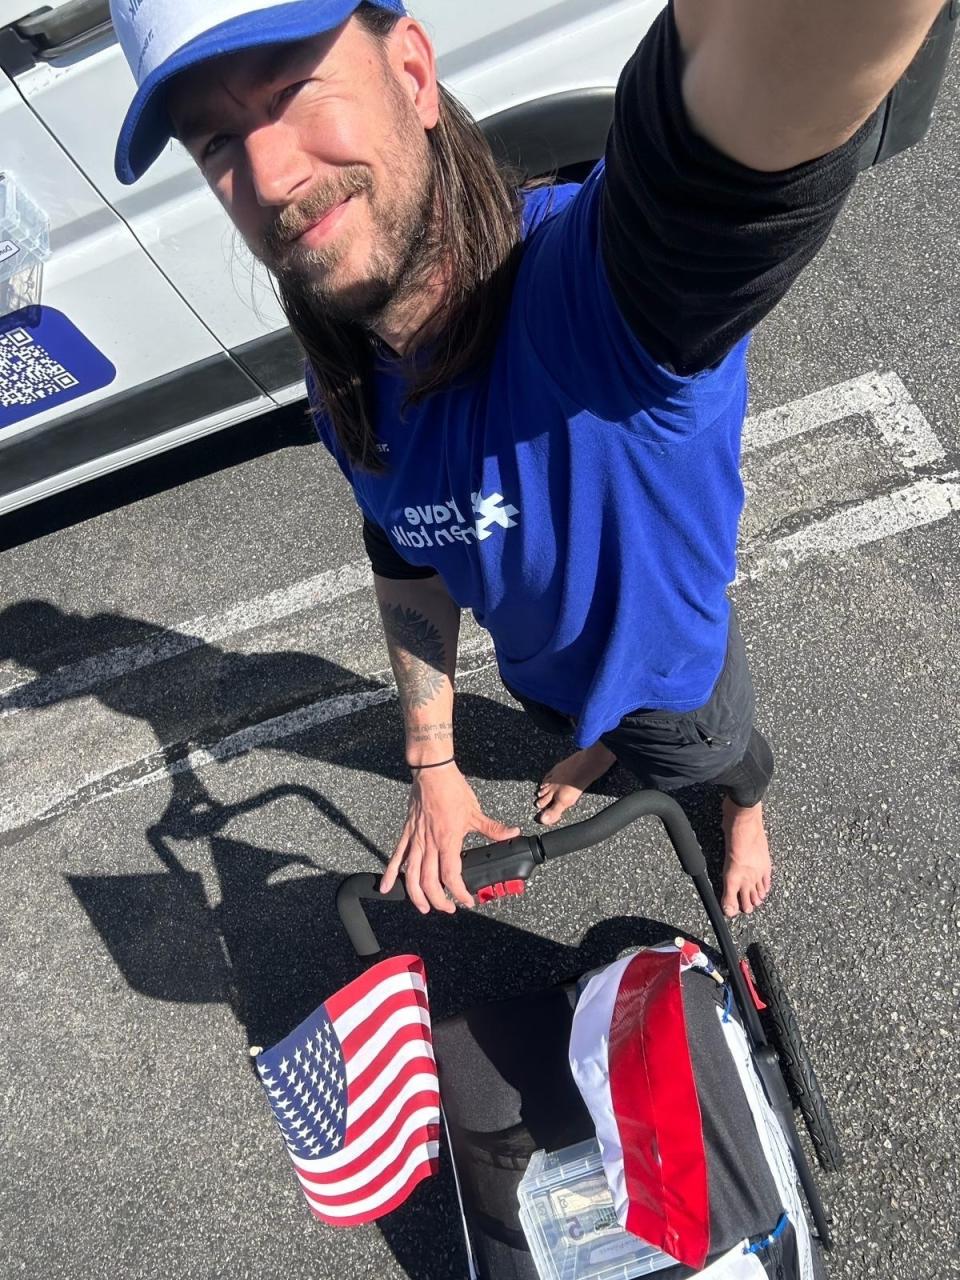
[[443, 809]]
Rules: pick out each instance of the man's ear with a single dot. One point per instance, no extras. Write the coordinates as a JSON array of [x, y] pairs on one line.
[[413, 59]]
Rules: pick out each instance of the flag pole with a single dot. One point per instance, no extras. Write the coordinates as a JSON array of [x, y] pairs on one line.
[[463, 1217]]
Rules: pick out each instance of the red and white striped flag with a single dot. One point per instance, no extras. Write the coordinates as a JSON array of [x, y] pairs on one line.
[[355, 1095], [631, 1060]]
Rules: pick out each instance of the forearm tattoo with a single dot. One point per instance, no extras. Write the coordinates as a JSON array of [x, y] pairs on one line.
[[419, 735], [417, 653]]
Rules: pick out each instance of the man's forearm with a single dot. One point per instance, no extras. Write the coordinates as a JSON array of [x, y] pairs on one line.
[[774, 83], [421, 624]]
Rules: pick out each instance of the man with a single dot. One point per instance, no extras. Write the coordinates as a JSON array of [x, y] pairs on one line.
[[536, 396]]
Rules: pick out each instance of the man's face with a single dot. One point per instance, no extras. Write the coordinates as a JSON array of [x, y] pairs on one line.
[[318, 152]]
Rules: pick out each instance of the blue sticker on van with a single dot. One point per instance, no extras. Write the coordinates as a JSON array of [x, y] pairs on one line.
[[45, 361]]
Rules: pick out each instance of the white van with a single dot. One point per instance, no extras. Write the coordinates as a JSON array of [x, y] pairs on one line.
[[147, 323]]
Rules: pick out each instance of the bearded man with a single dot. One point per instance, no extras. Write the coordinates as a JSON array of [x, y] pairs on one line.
[[536, 394]]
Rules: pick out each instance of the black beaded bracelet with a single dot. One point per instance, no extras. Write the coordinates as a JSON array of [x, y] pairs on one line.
[[419, 768]]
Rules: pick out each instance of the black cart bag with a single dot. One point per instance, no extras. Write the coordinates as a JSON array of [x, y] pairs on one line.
[[508, 1092]]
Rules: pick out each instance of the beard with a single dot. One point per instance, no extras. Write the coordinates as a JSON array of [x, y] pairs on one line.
[[402, 256]]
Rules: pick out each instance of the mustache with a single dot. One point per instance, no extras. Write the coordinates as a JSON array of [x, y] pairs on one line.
[[295, 219]]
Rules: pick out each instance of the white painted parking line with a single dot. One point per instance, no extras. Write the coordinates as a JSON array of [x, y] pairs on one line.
[[27, 809], [925, 502], [881, 397], [28, 692]]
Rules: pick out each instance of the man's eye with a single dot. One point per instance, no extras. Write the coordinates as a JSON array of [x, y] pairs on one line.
[[286, 94], [216, 143]]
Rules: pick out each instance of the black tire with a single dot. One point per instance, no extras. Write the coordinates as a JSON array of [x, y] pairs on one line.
[[780, 1024]]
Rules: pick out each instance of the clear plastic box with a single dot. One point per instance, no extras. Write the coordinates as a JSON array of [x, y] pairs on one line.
[[24, 230], [570, 1222]]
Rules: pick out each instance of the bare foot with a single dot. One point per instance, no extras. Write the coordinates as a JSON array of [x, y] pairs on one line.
[[747, 872], [566, 782]]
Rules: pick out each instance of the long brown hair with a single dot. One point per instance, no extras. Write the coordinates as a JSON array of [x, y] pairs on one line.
[[478, 214]]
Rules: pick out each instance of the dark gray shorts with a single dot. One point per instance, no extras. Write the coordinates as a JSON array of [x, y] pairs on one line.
[[668, 750]]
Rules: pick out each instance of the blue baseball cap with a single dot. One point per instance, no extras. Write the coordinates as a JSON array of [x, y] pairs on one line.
[[161, 38]]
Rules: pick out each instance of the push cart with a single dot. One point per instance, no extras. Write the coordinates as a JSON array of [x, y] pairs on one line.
[[508, 1091]]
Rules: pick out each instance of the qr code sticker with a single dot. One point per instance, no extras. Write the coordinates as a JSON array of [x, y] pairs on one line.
[[28, 372]]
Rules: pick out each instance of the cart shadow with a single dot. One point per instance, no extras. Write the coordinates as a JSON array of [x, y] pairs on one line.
[[223, 920]]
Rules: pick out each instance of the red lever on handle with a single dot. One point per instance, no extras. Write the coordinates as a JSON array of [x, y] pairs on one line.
[[509, 889]]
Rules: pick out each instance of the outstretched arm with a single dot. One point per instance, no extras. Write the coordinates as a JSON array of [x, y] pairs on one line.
[[737, 137], [775, 83]]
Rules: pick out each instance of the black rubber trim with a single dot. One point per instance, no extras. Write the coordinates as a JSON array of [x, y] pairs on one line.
[[554, 132], [16, 54], [274, 362], [52, 29], [207, 387]]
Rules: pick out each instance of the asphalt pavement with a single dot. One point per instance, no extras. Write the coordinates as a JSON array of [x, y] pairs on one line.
[[198, 738]]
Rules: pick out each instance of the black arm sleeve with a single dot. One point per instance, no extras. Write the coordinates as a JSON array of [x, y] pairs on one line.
[[387, 562], [698, 247]]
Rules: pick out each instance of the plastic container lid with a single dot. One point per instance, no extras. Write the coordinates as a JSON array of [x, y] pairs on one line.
[[570, 1222], [24, 230]]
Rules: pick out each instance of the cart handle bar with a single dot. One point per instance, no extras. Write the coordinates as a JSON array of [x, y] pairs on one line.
[[517, 860]]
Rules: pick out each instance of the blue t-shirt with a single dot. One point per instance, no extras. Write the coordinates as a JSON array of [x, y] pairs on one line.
[[579, 498]]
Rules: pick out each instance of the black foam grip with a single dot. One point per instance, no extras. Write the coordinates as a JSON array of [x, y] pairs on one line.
[[350, 898], [609, 821]]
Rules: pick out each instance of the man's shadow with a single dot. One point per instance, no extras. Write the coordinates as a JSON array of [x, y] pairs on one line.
[[202, 693], [262, 944]]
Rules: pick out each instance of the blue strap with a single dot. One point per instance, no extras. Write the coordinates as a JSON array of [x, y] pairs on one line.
[[728, 1004], [775, 1234]]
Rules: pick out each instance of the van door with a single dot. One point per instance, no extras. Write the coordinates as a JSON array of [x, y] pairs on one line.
[[94, 341]]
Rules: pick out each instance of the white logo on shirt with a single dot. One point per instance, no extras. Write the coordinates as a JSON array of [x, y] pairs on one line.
[[443, 524], [492, 512]]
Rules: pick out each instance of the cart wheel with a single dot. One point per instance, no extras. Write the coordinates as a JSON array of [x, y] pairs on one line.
[[780, 1023]]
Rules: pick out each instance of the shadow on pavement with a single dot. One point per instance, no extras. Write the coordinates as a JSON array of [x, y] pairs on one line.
[[284, 428], [267, 950], [261, 943], [221, 692]]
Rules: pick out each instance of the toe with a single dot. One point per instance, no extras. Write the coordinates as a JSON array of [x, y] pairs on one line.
[[731, 906], [552, 805], [551, 814]]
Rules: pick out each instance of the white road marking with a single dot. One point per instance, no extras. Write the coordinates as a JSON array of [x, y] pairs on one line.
[[29, 692], [29, 809], [882, 397], [924, 502]]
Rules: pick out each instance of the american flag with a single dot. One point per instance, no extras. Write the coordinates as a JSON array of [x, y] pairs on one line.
[[355, 1095]]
